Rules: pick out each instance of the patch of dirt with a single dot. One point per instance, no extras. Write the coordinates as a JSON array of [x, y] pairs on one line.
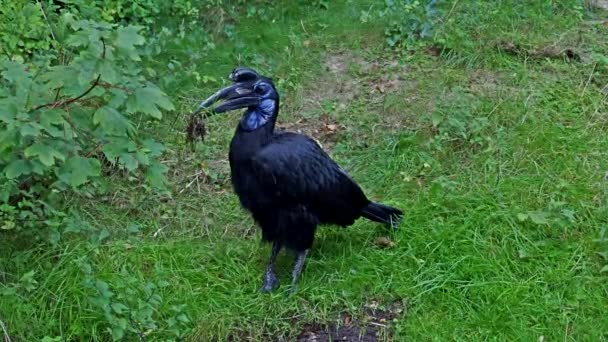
[[485, 82], [374, 323], [338, 63], [337, 84], [551, 52], [347, 77], [324, 129], [197, 176]]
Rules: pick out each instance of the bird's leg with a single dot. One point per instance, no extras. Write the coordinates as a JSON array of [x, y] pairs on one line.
[[270, 279], [297, 268]]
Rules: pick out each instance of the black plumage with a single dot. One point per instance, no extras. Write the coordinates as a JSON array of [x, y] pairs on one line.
[[285, 180]]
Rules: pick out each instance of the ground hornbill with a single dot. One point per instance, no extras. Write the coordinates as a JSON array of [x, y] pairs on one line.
[[285, 180]]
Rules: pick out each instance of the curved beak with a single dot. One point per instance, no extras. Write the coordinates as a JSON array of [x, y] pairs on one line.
[[238, 95]]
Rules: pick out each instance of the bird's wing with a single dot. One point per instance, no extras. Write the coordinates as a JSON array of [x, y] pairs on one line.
[[297, 169]]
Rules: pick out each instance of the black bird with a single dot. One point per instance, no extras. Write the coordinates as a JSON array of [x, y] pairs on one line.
[[285, 180]]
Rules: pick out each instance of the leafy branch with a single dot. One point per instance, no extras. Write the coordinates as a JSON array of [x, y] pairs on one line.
[[49, 150], [66, 102]]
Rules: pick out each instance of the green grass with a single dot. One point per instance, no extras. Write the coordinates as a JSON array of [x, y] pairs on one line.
[[498, 160]]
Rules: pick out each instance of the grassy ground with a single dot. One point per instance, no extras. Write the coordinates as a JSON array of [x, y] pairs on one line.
[[496, 150]]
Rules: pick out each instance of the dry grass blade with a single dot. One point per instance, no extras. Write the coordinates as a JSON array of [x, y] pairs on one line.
[[7, 337]]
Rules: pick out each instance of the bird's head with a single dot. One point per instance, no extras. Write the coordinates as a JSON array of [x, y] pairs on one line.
[[249, 90]]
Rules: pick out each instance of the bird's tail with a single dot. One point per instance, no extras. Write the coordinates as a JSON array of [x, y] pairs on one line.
[[379, 212]]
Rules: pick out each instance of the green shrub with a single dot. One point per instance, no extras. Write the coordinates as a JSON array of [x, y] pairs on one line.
[[60, 120], [411, 22], [23, 29]]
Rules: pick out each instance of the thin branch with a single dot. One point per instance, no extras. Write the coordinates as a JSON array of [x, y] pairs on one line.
[[103, 52], [69, 101], [47, 20], [57, 94], [72, 100], [110, 85]]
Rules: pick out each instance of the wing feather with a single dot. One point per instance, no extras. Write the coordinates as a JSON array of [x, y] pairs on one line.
[[297, 169]]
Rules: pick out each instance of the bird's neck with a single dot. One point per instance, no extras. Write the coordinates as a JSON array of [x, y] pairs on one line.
[[246, 143]]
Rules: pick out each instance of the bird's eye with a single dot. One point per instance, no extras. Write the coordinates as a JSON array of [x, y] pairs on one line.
[[260, 89]]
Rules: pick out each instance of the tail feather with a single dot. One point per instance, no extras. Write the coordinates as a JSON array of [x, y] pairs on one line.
[[381, 213]]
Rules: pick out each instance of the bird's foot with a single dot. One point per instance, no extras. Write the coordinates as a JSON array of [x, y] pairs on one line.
[[270, 282], [292, 289], [395, 220], [297, 269]]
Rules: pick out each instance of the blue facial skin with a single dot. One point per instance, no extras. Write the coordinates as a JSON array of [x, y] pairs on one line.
[[259, 115]]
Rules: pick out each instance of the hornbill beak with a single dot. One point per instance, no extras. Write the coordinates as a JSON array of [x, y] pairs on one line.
[[238, 95]]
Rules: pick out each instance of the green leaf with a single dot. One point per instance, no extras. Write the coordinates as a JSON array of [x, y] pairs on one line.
[[104, 289], [99, 302], [45, 153], [147, 99], [118, 98], [117, 333], [154, 148], [115, 148], [59, 76], [80, 38], [51, 339], [7, 188], [28, 282], [183, 318], [15, 73], [77, 170], [129, 162], [539, 217], [522, 217], [17, 168], [142, 157], [108, 71], [604, 269], [569, 214], [126, 39], [52, 121], [112, 122], [30, 129], [436, 119], [52, 117], [119, 308], [8, 225], [155, 175], [8, 110], [103, 234], [133, 228]]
